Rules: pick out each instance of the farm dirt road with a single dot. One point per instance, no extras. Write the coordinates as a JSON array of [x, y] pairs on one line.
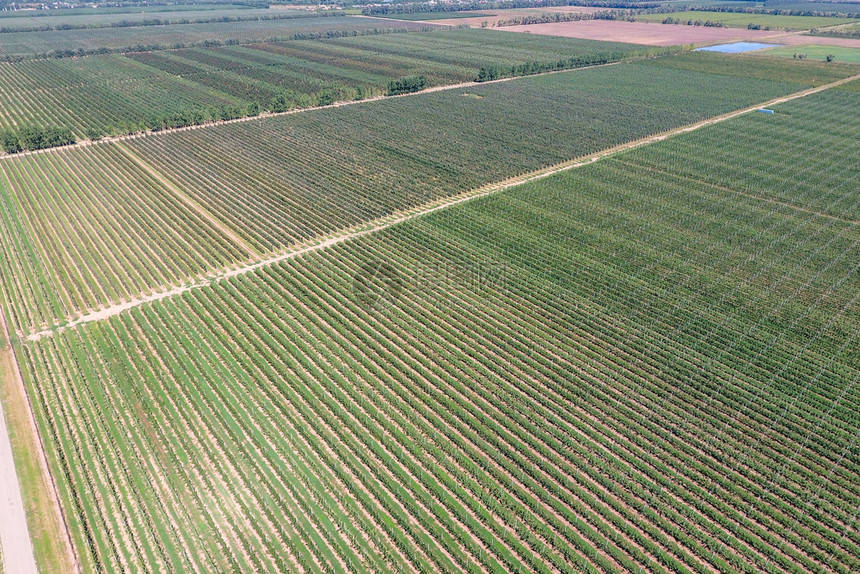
[[15, 543], [425, 209]]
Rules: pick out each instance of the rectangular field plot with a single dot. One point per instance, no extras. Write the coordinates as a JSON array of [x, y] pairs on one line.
[[742, 20], [276, 181], [115, 94], [804, 155], [87, 227], [606, 370]]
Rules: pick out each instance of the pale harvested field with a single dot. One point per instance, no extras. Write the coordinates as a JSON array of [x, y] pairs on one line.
[[645, 33], [801, 40]]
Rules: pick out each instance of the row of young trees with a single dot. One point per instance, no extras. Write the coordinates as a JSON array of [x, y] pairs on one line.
[[691, 22], [165, 22], [406, 85], [34, 137], [555, 17], [495, 72]]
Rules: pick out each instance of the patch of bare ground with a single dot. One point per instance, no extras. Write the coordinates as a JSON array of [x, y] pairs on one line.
[[802, 39], [644, 33]]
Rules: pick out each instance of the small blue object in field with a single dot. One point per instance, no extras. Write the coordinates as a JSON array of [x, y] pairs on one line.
[[737, 47], [764, 111]]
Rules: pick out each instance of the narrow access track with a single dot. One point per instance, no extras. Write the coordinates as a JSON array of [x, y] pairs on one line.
[[15, 541], [264, 115], [411, 213], [201, 211]]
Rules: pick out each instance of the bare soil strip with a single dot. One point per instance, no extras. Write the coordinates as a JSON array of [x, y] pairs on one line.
[[17, 546], [188, 200], [407, 214]]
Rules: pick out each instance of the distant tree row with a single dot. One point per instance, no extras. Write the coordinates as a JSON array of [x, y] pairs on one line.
[[555, 17], [168, 21], [725, 8], [495, 72], [33, 138], [690, 22]]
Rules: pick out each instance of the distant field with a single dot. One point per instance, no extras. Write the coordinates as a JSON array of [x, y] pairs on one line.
[[59, 18], [29, 43], [277, 181], [840, 54], [250, 182], [10, 15], [421, 16], [127, 93], [742, 20], [84, 227], [648, 363]]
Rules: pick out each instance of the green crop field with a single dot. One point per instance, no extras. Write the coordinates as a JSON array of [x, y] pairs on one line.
[[111, 94], [742, 20], [649, 363], [28, 44], [283, 314], [838, 53], [421, 148]]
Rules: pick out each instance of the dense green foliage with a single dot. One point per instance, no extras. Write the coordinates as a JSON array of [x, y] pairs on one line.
[[406, 85], [153, 90], [290, 178], [627, 366], [35, 137]]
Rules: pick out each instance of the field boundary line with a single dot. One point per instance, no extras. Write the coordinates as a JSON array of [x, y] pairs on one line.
[[202, 211], [407, 214], [17, 386]]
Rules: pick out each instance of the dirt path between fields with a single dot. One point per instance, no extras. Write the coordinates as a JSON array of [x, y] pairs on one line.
[[407, 214], [15, 541]]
